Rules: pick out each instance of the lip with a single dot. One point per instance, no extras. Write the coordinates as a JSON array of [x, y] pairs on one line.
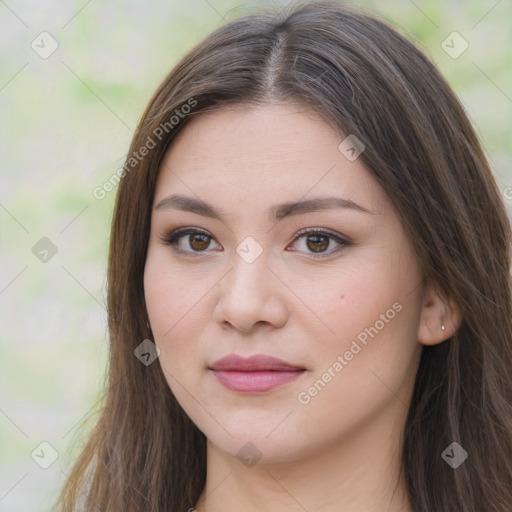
[[255, 363], [255, 374]]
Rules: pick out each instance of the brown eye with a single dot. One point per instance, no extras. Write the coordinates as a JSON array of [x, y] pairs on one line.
[[188, 241], [199, 242], [317, 243]]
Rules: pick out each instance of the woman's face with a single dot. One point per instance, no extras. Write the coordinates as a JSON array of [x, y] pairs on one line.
[[266, 266]]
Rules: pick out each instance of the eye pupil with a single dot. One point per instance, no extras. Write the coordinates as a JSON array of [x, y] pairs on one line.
[[204, 241], [323, 245]]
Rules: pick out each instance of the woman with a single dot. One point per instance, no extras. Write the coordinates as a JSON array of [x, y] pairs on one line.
[[308, 286]]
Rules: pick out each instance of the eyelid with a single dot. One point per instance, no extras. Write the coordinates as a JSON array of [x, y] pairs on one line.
[[173, 236], [333, 234], [341, 240]]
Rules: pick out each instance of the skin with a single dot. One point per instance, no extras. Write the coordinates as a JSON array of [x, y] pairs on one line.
[[340, 450]]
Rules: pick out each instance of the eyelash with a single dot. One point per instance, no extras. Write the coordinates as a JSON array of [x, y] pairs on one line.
[[173, 237]]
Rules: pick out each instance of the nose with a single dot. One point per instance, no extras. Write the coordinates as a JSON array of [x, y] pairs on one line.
[[250, 294]]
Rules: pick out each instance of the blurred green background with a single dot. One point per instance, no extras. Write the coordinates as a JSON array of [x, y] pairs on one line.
[[67, 118]]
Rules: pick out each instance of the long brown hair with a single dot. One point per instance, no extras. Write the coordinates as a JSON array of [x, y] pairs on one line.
[[144, 453]]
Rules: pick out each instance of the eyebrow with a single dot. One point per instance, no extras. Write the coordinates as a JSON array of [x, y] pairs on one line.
[[277, 212]]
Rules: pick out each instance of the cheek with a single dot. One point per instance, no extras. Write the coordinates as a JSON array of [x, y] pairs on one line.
[[170, 310], [353, 301], [174, 314], [371, 313], [368, 365], [170, 298]]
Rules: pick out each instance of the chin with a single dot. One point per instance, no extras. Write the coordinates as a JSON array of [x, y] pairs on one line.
[[259, 450], [251, 439]]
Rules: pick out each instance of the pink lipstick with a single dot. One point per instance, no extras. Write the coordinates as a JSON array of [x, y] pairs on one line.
[[256, 374]]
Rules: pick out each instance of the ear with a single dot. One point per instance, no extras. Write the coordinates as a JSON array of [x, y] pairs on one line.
[[437, 310]]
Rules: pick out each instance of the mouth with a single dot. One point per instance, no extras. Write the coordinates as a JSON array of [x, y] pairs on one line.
[[256, 374]]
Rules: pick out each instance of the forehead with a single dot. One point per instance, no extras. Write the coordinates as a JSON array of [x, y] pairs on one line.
[[263, 154], [246, 130]]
